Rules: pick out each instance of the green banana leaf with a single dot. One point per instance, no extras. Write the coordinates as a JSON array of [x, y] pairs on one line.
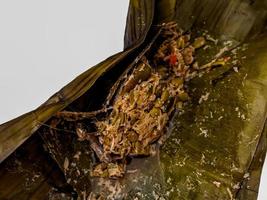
[[224, 164], [227, 163]]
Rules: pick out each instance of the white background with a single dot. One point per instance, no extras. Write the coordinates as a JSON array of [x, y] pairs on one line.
[[45, 44]]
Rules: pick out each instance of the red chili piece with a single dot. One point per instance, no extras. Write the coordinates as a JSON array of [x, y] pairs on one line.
[[172, 59]]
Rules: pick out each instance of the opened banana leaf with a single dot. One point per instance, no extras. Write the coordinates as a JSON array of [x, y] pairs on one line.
[[216, 146]]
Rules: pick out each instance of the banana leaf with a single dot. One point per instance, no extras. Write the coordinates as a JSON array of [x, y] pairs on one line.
[[232, 151], [224, 164]]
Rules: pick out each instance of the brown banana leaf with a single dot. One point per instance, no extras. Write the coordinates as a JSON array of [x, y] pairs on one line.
[[224, 165], [15, 132], [31, 173]]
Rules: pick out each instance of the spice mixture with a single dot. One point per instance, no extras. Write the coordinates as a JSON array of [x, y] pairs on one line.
[[146, 101]]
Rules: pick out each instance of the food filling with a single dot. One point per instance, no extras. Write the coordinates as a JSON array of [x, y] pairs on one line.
[[147, 100]]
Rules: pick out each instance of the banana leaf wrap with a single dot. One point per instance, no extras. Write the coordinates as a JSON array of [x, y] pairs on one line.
[[224, 163]]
